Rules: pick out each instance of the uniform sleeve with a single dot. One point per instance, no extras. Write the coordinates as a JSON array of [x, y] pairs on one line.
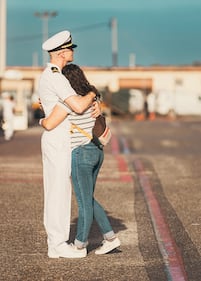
[[63, 87]]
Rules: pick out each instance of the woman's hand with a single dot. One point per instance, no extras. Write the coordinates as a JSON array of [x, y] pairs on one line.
[[40, 105], [96, 109]]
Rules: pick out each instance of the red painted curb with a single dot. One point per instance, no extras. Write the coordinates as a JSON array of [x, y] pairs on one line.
[[168, 248]]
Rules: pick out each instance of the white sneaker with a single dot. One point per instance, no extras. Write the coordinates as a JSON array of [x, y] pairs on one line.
[[108, 246], [67, 251]]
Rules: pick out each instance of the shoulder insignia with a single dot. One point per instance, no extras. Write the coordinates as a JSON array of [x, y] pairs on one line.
[[54, 69]]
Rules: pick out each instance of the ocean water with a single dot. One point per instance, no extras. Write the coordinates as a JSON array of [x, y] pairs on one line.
[[166, 37]]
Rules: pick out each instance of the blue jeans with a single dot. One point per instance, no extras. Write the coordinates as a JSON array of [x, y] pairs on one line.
[[86, 163]]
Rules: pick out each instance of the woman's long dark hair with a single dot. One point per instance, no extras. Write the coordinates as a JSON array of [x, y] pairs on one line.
[[78, 80]]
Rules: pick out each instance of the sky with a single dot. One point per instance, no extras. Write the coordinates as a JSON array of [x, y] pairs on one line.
[[154, 31]]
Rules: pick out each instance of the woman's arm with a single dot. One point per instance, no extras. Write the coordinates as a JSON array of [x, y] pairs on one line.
[[58, 114], [80, 103]]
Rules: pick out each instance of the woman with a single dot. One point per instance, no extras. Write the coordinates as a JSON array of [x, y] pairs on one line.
[[87, 159]]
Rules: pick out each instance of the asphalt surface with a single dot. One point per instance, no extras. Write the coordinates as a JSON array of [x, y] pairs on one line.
[[169, 152]]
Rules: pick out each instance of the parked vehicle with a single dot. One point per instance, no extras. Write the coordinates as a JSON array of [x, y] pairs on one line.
[[179, 102], [136, 101]]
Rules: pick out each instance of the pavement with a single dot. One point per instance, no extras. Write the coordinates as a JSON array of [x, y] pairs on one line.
[[23, 239], [140, 188]]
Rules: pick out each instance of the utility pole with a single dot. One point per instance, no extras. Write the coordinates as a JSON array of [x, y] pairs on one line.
[[113, 25], [45, 19], [132, 60], [2, 37]]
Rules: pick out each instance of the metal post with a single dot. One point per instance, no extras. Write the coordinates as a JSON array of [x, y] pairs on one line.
[[132, 60], [45, 19], [2, 37], [114, 42]]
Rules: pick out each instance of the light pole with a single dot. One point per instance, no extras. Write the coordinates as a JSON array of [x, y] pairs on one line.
[[113, 25], [132, 60], [2, 37], [45, 18]]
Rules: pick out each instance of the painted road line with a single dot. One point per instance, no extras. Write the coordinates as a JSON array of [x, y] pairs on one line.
[[124, 173], [125, 147], [115, 145], [168, 248], [120, 174]]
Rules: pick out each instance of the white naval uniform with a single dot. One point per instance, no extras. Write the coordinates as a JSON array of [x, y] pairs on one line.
[[8, 117], [56, 157]]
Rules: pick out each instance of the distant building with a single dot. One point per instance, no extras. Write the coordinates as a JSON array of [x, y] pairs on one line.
[[176, 88]]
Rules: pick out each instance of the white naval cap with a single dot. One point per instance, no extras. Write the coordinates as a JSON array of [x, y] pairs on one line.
[[59, 41]]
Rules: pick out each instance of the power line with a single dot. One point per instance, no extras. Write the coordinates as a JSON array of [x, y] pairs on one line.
[[91, 26], [38, 36]]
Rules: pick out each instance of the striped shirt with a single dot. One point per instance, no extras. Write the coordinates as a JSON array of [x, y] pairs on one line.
[[84, 121]]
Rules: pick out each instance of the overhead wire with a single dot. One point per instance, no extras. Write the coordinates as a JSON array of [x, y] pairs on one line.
[[38, 36]]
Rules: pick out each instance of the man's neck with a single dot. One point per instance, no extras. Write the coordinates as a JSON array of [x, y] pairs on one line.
[[57, 63]]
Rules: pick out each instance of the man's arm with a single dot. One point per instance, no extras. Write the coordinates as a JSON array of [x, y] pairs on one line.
[[57, 115], [79, 104]]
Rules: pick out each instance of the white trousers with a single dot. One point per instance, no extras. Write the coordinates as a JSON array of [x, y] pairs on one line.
[[56, 157], [8, 128]]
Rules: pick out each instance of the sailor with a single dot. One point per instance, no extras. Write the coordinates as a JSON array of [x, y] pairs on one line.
[[55, 146]]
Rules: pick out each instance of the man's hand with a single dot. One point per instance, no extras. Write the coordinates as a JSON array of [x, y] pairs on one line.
[[96, 109]]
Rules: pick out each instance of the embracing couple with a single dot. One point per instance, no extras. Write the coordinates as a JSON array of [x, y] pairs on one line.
[[68, 98]]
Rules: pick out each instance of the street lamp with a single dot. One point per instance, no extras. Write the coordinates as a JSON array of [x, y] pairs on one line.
[[45, 18]]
